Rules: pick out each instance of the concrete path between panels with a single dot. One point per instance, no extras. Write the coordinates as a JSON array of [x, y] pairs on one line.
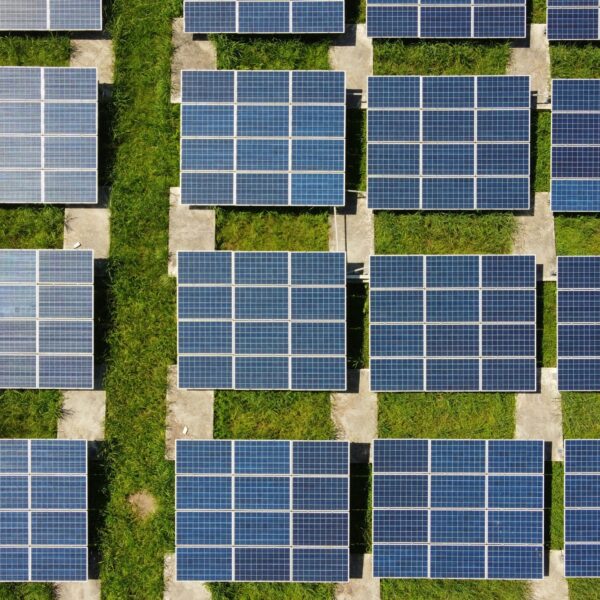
[[189, 52], [362, 584], [539, 416], [78, 590], [182, 590], [94, 52], [554, 586]]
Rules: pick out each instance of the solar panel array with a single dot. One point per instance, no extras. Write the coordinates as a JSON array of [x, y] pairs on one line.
[[573, 20], [448, 143], [43, 510], [458, 509], [46, 319], [575, 145], [48, 135], [578, 323], [262, 320], [582, 508], [452, 323], [51, 15], [270, 16], [262, 511], [446, 18], [274, 138]]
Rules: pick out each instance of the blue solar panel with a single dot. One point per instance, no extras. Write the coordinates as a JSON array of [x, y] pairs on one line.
[[575, 185], [448, 143], [582, 508], [48, 135], [262, 511], [46, 319], [51, 15], [43, 510], [465, 509], [262, 320], [263, 138], [479, 19], [573, 20], [452, 323], [578, 323]]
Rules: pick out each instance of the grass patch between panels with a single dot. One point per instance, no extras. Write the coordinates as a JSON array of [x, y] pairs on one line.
[[577, 234], [397, 57], [574, 60], [443, 232], [356, 149], [581, 414], [455, 415], [554, 505], [583, 589], [540, 150], [440, 589], [275, 591], [546, 324], [538, 11]]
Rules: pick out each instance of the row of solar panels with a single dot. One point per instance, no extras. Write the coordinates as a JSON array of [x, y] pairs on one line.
[[466, 509]]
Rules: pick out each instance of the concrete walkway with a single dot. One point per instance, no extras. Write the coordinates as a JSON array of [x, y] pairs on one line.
[[189, 52], [82, 416], [539, 416], [78, 590], [182, 590], [94, 53], [362, 585], [554, 586]]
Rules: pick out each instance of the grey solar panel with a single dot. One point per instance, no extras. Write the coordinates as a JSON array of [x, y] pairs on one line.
[[48, 135], [51, 15], [46, 319], [262, 510]]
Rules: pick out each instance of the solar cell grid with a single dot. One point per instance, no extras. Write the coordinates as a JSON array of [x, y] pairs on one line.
[[452, 323], [573, 19], [458, 509], [51, 15], [575, 170], [263, 138], [448, 143], [46, 319], [262, 510], [262, 320], [43, 510]]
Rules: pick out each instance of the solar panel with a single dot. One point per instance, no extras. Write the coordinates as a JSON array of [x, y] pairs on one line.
[[46, 319], [48, 135], [262, 320], [452, 19], [262, 510], [575, 167], [578, 323], [249, 16], [51, 15], [573, 19], [448, 143], [263, 138], [43, 510], [452, 323], [458, 509], [582, 508]]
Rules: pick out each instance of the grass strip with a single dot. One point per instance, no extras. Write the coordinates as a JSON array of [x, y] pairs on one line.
[[574, 60], [540, 150], [577, 234], [440, 589], [546, 324]]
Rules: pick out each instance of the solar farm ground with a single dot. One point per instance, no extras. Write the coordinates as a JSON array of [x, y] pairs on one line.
[[140, 155]]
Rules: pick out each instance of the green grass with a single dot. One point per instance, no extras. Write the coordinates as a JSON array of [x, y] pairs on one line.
[[540, 150], [271, 53], [357, 325], [356, 150], [574, 60], [35, 51], [274, 591], [457, 415], [278, 229], [583, 589], [546, 323], [396, 57], [577, 234], [581, 414], [438, 589], [29, 413], [554, 491], [443, 233], [26, 591], [538, 11]]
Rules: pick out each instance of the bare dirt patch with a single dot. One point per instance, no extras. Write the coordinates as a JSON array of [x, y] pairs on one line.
[[143, 504]]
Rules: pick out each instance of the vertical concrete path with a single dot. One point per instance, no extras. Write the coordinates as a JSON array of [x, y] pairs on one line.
[[94, 53], [554, 586]]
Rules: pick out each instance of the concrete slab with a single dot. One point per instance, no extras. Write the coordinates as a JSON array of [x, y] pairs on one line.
[[189, 52], [94, 53], [190, 228], [362, 585], [539, 416], [351, 229], [189, 414], [532, 57], [535, 235], [554, 586], [78, 590], [353, 52], [354, 412], [89, 227], [82, 415], [182, 590]]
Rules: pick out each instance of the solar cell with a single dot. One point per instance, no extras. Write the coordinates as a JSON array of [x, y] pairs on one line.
[[43, 510], [573, 19], [448, 143], [262, 510], [464, 509], [48, 135], [452, 323], [51, 15], [575, 185], [262, 320], [582, 508], [263, 138], [46, 319]]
